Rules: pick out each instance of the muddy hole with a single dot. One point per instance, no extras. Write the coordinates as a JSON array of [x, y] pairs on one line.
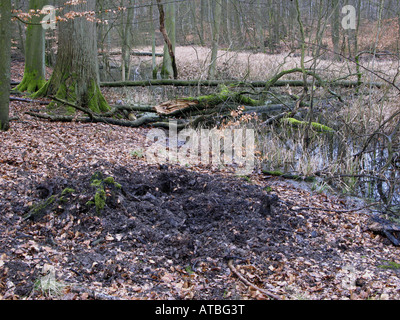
[[174, 213]]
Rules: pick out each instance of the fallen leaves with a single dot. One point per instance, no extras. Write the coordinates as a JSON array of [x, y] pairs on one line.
[[306, 254]]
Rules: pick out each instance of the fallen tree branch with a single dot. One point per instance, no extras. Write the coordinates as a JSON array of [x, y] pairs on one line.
[[84, 110], [178, 106], [124, 123], [104, 116], [118, 108], [247, 282], [274, 118], [29, 100]]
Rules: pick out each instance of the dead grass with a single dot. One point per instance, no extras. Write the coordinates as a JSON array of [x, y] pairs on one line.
[[193, 63]]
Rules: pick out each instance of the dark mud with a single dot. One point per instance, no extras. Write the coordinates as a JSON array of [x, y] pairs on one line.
[[162, 217]]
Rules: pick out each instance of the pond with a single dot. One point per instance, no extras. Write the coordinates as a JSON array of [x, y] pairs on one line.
[[336, 164]]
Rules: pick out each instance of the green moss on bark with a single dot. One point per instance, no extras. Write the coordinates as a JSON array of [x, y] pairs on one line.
[[315, 125], [225, 95], [96, 102], [68, 91], [31, 82], [296, 177]]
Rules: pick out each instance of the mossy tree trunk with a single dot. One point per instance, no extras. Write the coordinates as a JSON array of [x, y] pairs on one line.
[[224, 96], [34, 73], [5, 45], [75, 77]]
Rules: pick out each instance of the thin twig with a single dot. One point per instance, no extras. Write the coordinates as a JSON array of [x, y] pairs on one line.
[[93, 294], [333, 210], [247, 282]]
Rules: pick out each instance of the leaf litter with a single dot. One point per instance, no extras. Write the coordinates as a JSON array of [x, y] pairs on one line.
[[169, 232]]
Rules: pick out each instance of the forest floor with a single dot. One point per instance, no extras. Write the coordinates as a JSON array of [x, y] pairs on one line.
[[168, 232]]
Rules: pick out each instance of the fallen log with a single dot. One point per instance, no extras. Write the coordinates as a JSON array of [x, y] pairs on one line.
[[133, 53], [234, 83], [183, 105], [112, 112], [153, 121], [29, 100], [314, 125], [174, 106], [182, 83]]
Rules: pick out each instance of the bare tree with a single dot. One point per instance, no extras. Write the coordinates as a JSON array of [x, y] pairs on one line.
[[216, 25], [167, 28], [5, 53]]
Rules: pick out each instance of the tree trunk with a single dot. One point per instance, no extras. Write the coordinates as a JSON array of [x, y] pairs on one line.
[[75, 77], [216, 24], [260, 28], [5, 54], [126, 29], [195, 26], [228, 22], [153, 44], [169, 63], [34, 73], [202, 17], [335, 28]]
